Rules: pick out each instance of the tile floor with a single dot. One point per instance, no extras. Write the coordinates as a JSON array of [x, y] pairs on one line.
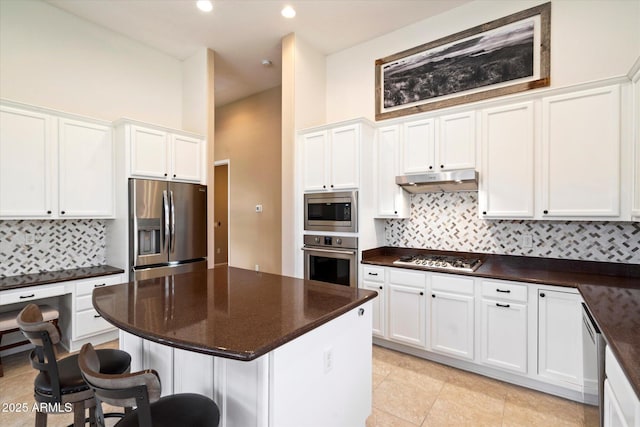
[[407, 391]]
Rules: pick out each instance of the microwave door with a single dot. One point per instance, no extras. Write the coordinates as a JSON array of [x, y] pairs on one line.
[[149, 203], [188, 222]]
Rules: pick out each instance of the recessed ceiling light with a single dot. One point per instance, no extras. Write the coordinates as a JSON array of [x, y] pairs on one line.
[[204, 5], [288, 12]]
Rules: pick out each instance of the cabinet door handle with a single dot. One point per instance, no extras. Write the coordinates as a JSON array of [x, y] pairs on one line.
[[174, 175], [508, 291], [99, 286], [484, 212], [361, 312], [27, 296], [380, 287], [165, 174], [48, 212], [503, 305], [542, 295], [372, 274], [441, 166], [95, 316], [433, 295], [421, 293], [395, 212], [545, 211], [62, 212], [430, 167]]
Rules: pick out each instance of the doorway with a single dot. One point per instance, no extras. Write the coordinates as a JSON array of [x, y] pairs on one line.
[[221, 212]]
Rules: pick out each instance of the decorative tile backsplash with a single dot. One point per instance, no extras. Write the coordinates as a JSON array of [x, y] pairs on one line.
[[449, 221], [57, 245]]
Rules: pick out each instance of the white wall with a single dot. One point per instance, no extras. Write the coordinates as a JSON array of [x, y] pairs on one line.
[[51, 58], [590, 40]]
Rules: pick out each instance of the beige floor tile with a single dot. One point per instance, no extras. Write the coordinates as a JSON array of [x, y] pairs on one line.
[[403, 400], [524, 407], [461, 405], [380, 418]]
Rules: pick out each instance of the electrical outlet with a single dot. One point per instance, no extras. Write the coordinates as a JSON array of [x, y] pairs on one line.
[[258, 208], [257, 267], [29, 239], [527, 241], [328, 359]]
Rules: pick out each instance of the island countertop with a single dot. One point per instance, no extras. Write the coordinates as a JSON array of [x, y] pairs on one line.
[[225, 311]]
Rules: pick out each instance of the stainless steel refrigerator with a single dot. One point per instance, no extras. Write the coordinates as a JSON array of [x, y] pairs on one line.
[[167, 228]]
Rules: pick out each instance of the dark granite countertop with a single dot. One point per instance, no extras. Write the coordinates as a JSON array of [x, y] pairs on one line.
[[610, 290], [226, 312], [35, 279]]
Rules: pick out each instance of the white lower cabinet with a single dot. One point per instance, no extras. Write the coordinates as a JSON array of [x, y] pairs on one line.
[[374, 281], [621, 403], [526, 333], [451, 315], [407, 307], [503, 332], [560, 337]]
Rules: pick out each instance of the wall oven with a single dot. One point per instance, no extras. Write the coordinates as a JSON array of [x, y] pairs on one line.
[[331, 211], [332, 259]]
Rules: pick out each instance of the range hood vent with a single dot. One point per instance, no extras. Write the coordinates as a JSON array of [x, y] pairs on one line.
[[434, 182]]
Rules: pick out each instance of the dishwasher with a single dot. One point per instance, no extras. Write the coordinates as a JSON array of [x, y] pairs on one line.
[[593, 346]]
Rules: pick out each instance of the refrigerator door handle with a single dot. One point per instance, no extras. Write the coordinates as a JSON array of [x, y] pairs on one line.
[[172, 243], [165, 214]]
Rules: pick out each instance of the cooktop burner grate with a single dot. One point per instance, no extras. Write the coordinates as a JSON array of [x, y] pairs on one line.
[[442, 262]]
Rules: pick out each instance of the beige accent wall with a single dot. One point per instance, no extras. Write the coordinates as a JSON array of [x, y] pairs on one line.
[[248, 134], [221, 225]]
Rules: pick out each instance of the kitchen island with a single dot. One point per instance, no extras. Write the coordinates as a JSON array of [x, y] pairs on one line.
[[270, 350]]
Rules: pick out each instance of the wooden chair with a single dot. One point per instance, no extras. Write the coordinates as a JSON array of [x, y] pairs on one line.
[[9, 324], [59, 383], [142, 390]]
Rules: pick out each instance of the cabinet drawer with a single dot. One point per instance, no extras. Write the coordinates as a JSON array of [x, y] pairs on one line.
[[86, 287], [407, 278], [504, 290], [89, 322], [374, 274], [84, 303], [30, 294], [451, 283]]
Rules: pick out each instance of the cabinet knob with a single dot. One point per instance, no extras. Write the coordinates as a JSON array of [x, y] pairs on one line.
[[421, 293], [361, 312], [430, 167], [433, 295], [545, 211], [484, 212], [62, 212], [380, 287], [165, 174], [441, 166], [174, 175], [331, 185], [395, 212], [324, 186], [48, 212], [542, 295]]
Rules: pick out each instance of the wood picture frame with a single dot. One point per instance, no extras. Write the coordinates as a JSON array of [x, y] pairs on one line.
[[501, 57]]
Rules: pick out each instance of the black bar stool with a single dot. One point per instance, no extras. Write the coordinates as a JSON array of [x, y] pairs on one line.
[[60, 382], [142, 390]]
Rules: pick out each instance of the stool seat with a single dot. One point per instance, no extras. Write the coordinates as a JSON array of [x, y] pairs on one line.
[[184, 410], [8, 319], [111, 362]]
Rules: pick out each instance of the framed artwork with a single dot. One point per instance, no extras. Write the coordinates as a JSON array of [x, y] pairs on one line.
[[508, 55]]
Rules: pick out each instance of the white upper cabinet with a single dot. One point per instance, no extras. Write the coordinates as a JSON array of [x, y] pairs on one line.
[[86, 169], [439, 144], [581, 154], [26, 163], [55, 166], [507, 165], [149, 149], [635, 87], [164, 154], [331, 158], [391, 200], [456, 147]]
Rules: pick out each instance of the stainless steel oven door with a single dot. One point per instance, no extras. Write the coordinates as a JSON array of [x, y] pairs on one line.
[[337, 266]]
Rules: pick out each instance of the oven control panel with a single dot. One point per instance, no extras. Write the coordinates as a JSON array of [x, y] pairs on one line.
[[331, 241]]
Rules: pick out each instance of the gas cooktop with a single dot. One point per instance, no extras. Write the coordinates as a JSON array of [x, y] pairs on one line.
[[440, 262]]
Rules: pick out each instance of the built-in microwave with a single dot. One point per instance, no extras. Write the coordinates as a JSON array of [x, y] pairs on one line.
[[336, 211]]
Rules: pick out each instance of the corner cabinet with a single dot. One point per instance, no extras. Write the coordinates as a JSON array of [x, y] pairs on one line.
[[166, 154], [581, 147], [331, 158], [70, 171]]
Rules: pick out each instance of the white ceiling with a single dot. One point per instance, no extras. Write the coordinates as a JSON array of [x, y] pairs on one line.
[[243, 32]]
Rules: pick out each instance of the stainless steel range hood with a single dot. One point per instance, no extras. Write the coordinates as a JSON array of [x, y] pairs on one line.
[[434, 182]]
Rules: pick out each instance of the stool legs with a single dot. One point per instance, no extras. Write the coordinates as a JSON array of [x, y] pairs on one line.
[[41, 419]]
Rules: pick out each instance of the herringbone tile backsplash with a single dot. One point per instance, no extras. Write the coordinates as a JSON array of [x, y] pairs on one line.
[[449, 221], [58, 245]]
